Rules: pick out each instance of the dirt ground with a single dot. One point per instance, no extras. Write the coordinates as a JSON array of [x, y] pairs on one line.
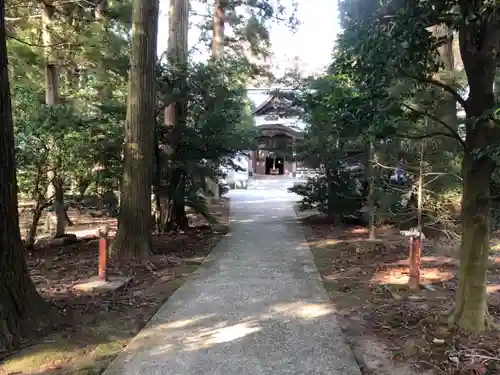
[[81, 221], [391, 329], [94, 328]]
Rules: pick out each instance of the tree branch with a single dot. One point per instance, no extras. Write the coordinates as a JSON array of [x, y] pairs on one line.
[[425, 136], [440, 84], [37, 45], [453, 133]]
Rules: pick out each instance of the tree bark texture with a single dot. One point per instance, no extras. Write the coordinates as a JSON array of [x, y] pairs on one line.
[[177, 54], [218, 43], [371, 190], [174, 119], [497, 84], [218, 29], [56, 184], [19, 300], [104, 87], [134, 221], [177, 218], [448, 109], [479, 59], [471, 311]]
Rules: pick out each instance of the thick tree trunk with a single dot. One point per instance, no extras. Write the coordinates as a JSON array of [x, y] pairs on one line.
[[134, 221], [479, 58], [218, 36], [471, 311], [19, 300], [175, 113]]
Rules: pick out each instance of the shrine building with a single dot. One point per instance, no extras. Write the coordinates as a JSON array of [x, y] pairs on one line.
[[277, 118]]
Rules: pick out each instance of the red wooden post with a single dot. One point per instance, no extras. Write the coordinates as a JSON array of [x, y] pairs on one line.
[[103, 252], [415, 254]]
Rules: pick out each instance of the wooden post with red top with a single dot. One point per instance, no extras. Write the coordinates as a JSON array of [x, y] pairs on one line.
[[103, 252], [414, 266], [414, 259]]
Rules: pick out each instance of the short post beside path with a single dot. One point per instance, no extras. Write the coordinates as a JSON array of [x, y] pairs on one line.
[[102, 283], [416, 238], [103, 233]]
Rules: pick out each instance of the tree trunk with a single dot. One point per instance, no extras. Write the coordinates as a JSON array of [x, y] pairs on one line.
[[51, 74], [331, 197], [218, 36], [41, 205], [471, 311], [218, 29], [134, 221], [497, 84], [175, 113], [103, 85], [448, 109], [177, 218], [51, 99], [60, 208], [479, 58], [19, 300], [31, 236], [420, 220], [371, 190]]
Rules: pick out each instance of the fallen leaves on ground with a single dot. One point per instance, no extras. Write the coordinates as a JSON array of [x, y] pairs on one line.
[[94, 327], [367, 281]]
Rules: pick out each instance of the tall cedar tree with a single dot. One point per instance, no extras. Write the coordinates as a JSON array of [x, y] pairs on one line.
[[134, 222], [218, 28], [176, 113], [19, 299]]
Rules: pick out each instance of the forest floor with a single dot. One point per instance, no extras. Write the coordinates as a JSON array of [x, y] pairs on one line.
[[383, 319], [93, 327]]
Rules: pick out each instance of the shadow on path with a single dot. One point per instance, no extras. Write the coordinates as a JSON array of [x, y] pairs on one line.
[[256, 306]]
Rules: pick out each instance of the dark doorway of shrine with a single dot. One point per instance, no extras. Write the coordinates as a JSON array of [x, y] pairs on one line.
[[275, 165]]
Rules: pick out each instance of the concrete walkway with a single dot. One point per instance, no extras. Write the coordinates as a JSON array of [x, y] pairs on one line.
[[257, 306]]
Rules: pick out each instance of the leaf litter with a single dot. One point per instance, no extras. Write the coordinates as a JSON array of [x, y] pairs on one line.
[[94, 327], [367, 281]]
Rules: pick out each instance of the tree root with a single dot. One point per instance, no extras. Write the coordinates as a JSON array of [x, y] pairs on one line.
[[489, 322]]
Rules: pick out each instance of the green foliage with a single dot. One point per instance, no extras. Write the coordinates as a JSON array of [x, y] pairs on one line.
[[219, 124], [62, 138], [218, 127], [340, 196], [83, 131], [81, 136], [247, 29], [389, 85]]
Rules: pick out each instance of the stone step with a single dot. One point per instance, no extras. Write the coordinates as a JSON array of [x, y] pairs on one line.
[[279, 186]]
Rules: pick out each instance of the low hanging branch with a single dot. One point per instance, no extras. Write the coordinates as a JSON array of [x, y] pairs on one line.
[[441, 85], [425, 136], [453, 133]]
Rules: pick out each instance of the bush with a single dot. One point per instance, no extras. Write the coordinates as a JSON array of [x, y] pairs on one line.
[[347, 196]]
